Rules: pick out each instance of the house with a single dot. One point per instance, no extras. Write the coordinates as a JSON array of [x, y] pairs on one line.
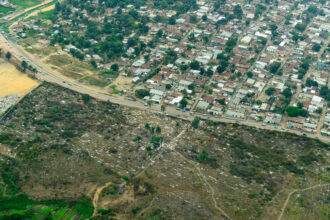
[[236, 113], [215, 110], [246, 40], [97, 58], [184, 83], [138, 63], [156, 92], [295, 122], [44, 42], [273, 119], [202, 105]]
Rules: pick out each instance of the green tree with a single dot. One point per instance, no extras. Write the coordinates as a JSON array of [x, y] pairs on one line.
[[249, 74], [316, 47], [24, 65], [171, 20], [300, 27], [193, 19], [195, 65], [274, 67], [115, 67], [8, 55], [270, 91], [195, 122], [168, 86], [204, 17], [94, 64], [238, 12], [203, 156], [287, 93], [141, 93], [86, 98], [191, 86], [292, 111], [183, 103]]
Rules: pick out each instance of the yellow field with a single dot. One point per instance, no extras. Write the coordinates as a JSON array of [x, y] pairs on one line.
[[14, 82]]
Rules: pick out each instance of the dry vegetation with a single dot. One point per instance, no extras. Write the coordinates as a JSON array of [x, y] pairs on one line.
[[148, 166]]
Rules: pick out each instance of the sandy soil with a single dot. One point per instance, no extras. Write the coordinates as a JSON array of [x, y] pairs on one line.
[[122, 83], [14, 82]]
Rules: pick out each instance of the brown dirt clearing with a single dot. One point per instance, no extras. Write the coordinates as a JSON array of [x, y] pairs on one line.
[[14, 82]]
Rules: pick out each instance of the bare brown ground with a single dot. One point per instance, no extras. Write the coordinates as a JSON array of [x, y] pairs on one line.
[[14, 82]]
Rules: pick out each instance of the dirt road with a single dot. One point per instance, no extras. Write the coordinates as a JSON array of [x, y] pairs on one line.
[[96, 198], [294, 191]]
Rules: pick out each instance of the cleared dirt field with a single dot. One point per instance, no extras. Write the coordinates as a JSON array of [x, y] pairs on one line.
[[14, 82], [122, 83]]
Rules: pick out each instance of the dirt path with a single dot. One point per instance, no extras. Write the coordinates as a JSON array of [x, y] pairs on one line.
[[206, 182], [163, 147], [96, 197], [100, 189], [294, 191]]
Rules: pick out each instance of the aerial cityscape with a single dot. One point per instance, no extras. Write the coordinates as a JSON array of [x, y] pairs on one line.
[[171, 109]]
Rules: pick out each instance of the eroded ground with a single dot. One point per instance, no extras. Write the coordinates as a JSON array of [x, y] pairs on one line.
[[134, 164]]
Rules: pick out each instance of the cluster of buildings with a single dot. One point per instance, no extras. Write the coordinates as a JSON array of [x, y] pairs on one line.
[[264, 70]]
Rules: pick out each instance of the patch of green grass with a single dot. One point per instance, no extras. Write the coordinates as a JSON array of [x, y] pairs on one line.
[[5, 11], [114, 90], [46, 15], [108, 74], [61, 213], [23, 4], [69, 217], [84, 208], [95, 82], [45, 210], [17, 212]]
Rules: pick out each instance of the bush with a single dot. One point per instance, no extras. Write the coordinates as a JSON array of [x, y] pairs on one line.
[[270, 91], [195, 122], [86, 98], [141, 93], [274, 67], [295, 111]]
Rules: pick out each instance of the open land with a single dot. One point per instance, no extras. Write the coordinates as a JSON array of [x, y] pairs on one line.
[[12, 81], [70, 155]]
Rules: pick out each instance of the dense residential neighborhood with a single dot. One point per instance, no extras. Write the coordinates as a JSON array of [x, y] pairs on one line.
[[246, 60]]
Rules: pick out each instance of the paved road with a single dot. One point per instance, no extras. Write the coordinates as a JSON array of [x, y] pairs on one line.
[[50, 75]]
